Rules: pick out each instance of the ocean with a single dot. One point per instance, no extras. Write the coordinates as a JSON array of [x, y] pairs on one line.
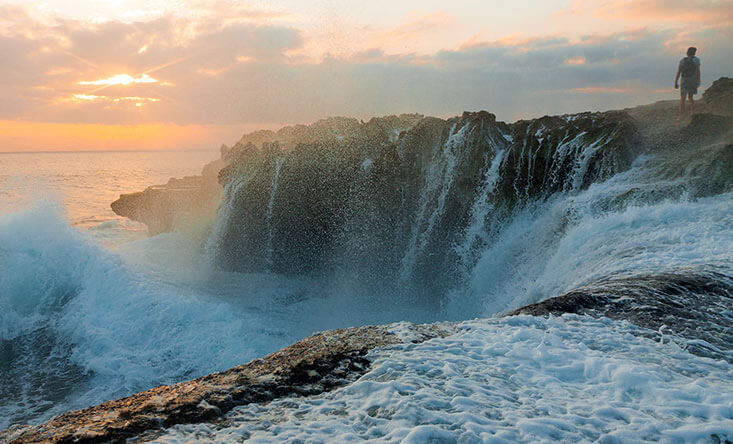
[[85, 183], [93, 309]]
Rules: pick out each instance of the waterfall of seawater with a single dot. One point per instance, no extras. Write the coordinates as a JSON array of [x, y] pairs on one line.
[[438, 182], [477, 205], [270, 206], [475, 235], [225, 216]]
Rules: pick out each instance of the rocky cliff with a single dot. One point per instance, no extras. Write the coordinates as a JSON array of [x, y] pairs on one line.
[[394, 207], [342, 162], [175, 204]]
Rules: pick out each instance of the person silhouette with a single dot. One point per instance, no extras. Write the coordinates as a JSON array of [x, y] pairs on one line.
[[689, 70]]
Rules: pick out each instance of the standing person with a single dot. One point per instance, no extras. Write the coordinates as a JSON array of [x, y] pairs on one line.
[[689, 69]]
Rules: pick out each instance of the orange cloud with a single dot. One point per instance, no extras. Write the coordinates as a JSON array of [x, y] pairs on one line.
[[575, 61], [684, 11], [416, 33]]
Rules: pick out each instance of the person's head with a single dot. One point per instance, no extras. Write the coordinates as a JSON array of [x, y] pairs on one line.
[[691, 51]]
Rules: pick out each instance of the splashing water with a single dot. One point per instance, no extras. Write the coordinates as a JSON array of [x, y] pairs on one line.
[[439, 179], [87, 323]]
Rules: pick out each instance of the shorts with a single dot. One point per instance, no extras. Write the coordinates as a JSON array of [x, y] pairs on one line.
[[688, 87]]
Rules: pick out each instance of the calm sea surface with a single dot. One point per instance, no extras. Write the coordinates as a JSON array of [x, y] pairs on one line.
[[85, 183]]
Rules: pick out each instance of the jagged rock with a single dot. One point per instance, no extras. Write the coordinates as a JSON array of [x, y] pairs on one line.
[[224, 150], [314, 365], [351, 196], [390, 207], [333, 128], [165, 207], [718, 99], [692, 304]]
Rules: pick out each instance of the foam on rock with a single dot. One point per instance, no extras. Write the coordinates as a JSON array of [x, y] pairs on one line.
[[314, 365]]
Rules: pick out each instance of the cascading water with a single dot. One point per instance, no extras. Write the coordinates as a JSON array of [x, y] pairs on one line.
[[270, 206], [475, 235], [438, 182], [450, 198], [225, 217]]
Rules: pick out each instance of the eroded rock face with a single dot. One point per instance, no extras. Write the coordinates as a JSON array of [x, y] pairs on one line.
[[165, 207], [394, 208], [314, 365], [718, 99], [333, 128]]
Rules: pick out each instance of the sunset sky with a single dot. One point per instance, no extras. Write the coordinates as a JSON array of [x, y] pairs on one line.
[[163, 74]]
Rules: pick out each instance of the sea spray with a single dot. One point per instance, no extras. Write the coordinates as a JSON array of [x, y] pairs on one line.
[[224, 218], [270, 206], [106, 331], [475, 236]]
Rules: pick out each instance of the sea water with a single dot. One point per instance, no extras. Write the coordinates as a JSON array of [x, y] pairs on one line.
[[91, 309]]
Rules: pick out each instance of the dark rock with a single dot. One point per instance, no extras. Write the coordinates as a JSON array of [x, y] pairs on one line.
[[689, 303], [387, 209], [718, 99]]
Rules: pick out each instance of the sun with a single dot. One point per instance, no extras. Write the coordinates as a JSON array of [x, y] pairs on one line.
[[120, 79]]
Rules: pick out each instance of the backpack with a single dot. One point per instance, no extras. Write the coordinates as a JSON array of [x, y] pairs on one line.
[[688, 67]]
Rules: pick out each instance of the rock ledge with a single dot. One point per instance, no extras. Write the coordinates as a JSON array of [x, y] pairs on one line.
[[314, 365]]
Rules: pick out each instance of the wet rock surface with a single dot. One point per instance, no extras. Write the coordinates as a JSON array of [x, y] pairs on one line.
[[394, 208], [692, 304], [314, 365]]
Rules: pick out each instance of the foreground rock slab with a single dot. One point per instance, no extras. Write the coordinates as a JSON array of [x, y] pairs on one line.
[[314, 365]]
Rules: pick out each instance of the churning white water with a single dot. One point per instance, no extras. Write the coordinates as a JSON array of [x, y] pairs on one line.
[[90, 313], [515, 380]]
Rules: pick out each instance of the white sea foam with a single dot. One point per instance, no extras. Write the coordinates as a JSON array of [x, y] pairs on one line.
[[148, 313], [522, 379], [572, 239], [129, 329]]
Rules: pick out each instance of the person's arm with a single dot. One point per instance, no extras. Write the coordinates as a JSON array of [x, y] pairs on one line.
[[677, 78], [697, 74]]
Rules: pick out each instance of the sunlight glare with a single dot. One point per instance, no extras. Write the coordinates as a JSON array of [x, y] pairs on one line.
[[121, 79]]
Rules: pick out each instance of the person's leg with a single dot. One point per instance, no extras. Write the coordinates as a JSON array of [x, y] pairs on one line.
[[692, 104]]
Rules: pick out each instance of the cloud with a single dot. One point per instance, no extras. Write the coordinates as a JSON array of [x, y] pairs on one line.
[[248, 70], [52, 63], [682, 11]]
